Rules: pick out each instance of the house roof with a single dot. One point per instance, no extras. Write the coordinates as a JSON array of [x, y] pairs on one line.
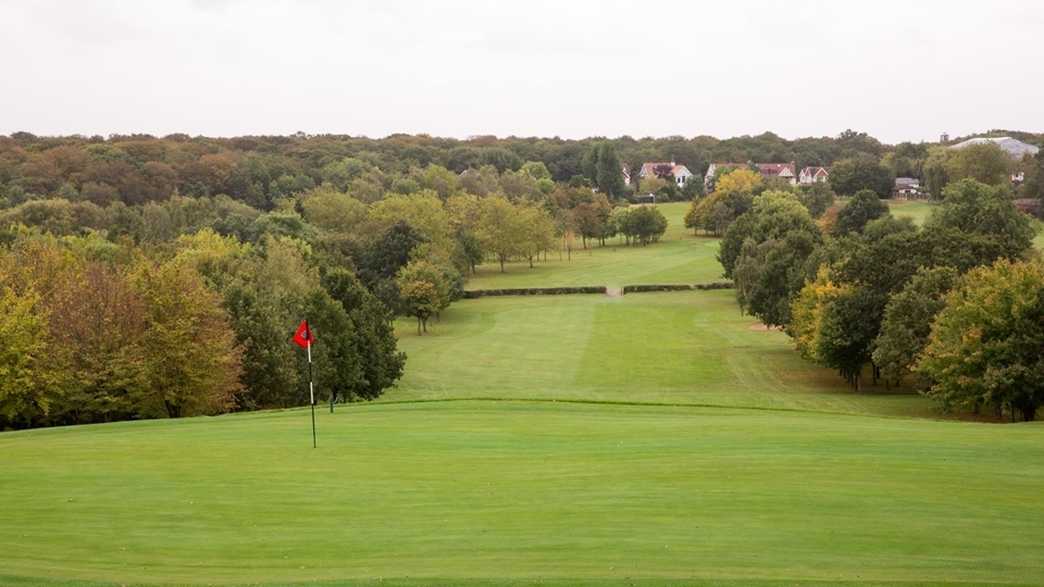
[[649, 168], [776, 169], [814, 171], [1013, 147], [907, 182]]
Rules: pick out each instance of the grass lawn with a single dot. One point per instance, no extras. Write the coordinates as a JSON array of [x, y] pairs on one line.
[[524, 493], [680, 347], [918, 210], [679, 257]]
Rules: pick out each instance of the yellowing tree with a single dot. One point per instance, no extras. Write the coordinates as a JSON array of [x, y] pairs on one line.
[[191, 362], [501, 229], [26, 381], [738, 181]]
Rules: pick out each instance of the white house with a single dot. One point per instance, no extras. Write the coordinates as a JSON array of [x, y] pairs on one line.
[[679, 173], [811, 175], [907, 188]]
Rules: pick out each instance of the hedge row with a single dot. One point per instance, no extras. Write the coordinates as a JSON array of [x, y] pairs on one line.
[[676, 287], [535, 291]]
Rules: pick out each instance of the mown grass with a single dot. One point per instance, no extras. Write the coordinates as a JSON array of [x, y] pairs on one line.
[[524, 493], [917, 210], [679, 257], [679, 347]]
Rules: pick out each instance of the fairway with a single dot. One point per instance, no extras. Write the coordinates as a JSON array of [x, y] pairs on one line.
[[679, 257], [519, 492], [680, 347]]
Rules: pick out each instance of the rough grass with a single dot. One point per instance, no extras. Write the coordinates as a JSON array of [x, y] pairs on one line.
[[679, 257], [520, 493], [677, 347]]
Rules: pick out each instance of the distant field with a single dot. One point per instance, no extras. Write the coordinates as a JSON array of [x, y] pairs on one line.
[[517, 493], [918, 210], [679, 258], [690, 347]]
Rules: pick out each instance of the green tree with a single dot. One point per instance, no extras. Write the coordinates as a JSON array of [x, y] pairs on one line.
[[985, 345], [373, 337], [603, 168], [769, 275], [816, 198], [641, 225], [908, 321], [765, 252], [772, 216], [986, 216], [501, 231], [423, 290], [857, 212], [986, 163], [850, 176], [538, 231]]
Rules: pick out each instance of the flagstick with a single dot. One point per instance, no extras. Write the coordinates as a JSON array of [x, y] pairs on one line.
[[311, 386]]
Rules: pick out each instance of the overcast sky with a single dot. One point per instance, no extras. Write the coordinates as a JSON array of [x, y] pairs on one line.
[[905, 70]]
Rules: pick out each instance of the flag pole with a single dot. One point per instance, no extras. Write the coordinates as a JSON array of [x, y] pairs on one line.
[[311, 386]]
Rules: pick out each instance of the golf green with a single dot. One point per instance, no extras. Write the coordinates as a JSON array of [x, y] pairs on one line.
[[524, 493]]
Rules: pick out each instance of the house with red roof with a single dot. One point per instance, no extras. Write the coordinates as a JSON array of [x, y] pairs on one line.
[[784, 171], [677, 173]]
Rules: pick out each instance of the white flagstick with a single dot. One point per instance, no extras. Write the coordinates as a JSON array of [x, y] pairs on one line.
[[311, 384]]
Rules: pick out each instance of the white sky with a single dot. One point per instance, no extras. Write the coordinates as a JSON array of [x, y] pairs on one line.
[[904, 70]]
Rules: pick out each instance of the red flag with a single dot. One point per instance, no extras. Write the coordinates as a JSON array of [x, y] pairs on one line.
[[303, 336]]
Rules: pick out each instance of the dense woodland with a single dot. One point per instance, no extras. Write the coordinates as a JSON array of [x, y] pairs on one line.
[[147, 277]]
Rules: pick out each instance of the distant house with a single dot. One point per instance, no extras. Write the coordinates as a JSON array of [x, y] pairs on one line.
[[1015, 148], [811, 175], [626, 175], [784, 171], [680, 174], [907, 188]]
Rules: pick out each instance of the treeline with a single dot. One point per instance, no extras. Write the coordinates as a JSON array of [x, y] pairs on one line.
[[954, 308], [93, 330], [258, 171]]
